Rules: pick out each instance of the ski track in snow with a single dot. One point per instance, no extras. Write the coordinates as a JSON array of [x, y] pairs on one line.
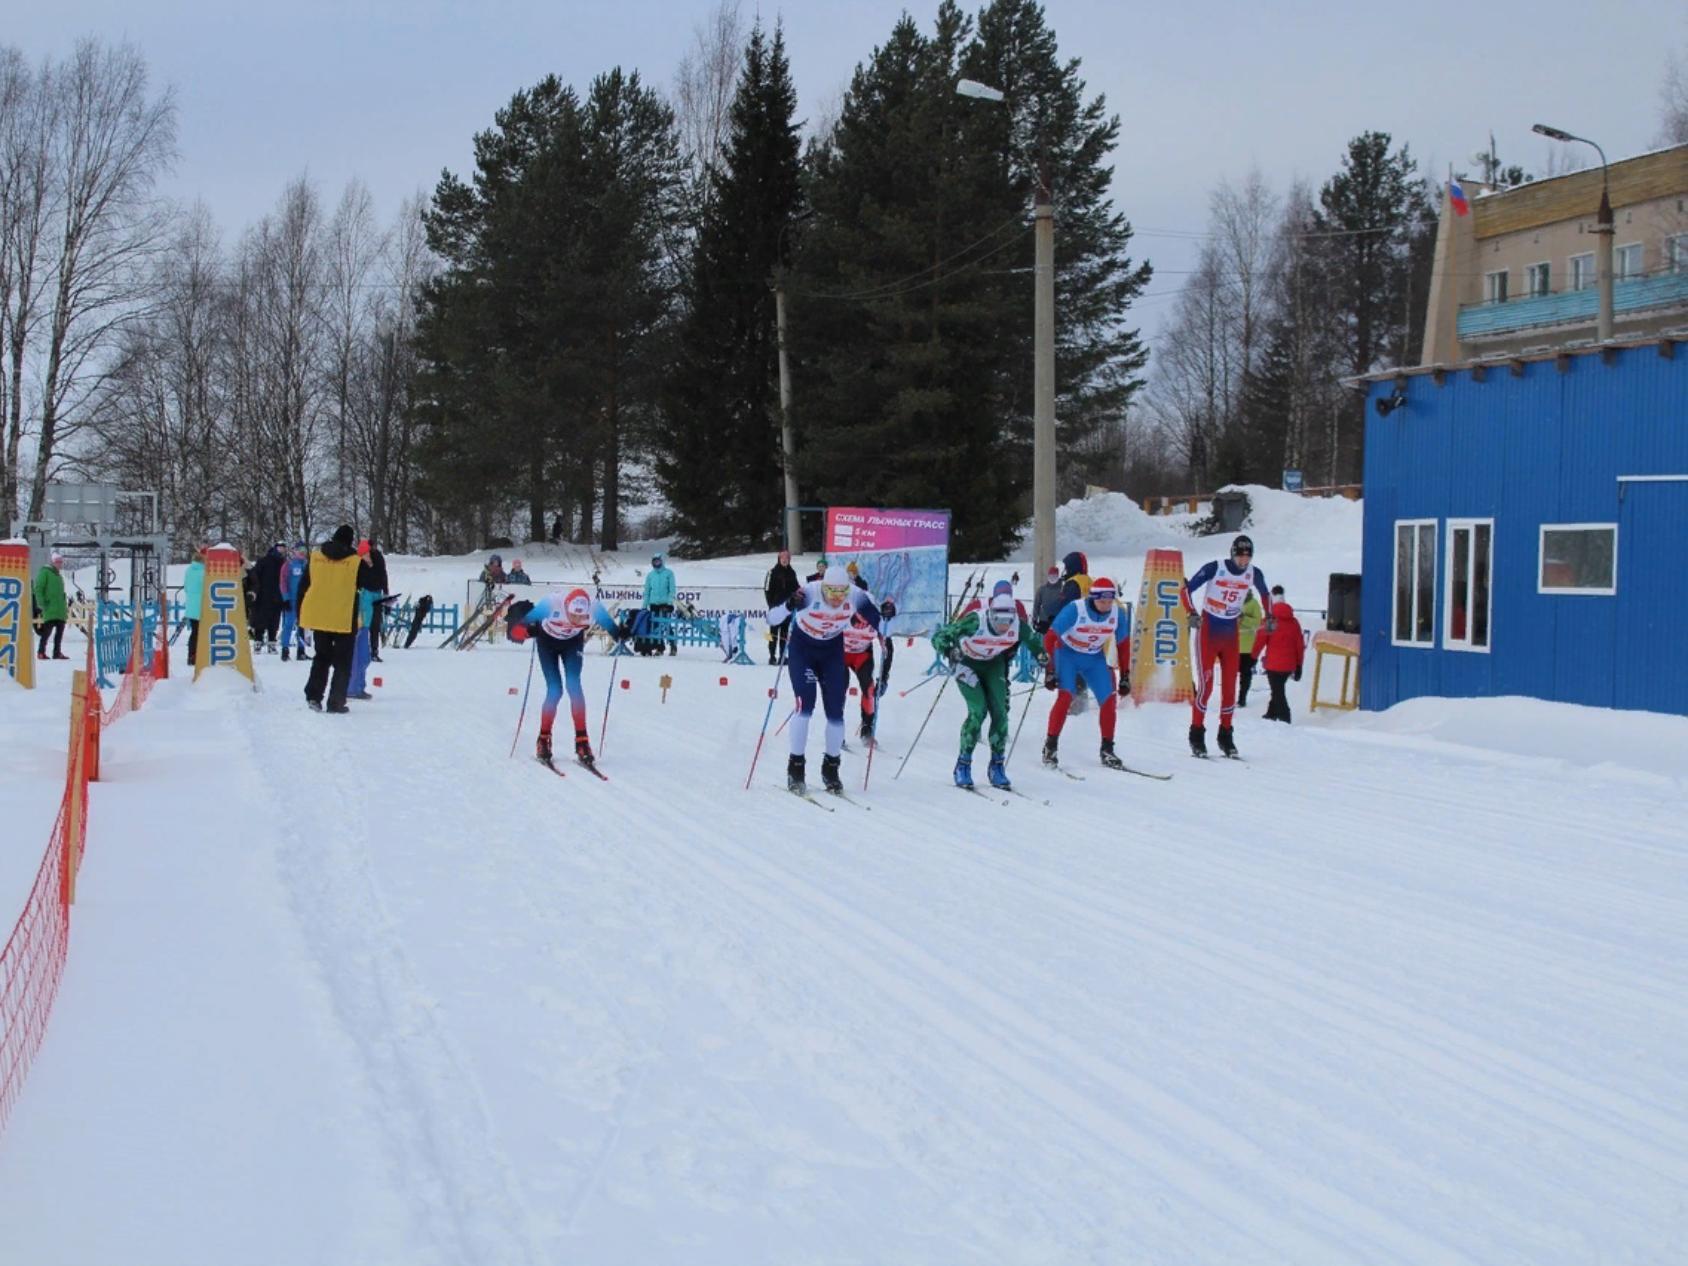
[[433, 1111]]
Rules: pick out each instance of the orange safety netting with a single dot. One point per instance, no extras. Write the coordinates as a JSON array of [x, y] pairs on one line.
[[33, 959]]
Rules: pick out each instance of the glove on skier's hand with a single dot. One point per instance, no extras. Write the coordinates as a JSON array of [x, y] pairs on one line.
[[887, 609], [1298, 674], [797, 601]]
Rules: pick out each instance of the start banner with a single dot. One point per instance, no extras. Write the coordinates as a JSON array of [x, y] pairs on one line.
[[1160, 651], [223, 638], [903, 555], [17, 643]]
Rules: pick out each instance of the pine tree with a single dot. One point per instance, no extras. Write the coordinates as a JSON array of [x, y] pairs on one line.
[[717, 452], [541, 341], [913, 305], [1369, 215]]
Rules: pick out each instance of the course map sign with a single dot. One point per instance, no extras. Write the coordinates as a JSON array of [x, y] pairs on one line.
[[902, 554]]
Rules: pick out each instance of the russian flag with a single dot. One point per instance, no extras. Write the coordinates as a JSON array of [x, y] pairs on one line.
[[1456, 195]]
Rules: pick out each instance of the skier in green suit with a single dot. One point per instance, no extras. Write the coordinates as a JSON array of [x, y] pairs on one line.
[[982, 644]]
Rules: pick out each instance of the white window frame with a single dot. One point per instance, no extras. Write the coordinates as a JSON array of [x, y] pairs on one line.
[[1449, 641], [1554, 591], [1530, 278], [1395, 578], [1572, 272], [1490, 285], [1676, 253], [1618, 272]]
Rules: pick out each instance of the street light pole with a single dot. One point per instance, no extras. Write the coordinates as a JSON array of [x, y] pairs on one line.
[[1043, 354], [1604, 229], [1043, 386], [788, 441]]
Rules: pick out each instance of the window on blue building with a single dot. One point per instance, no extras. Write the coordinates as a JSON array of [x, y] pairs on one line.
[[1470, 566], [1415, 582], [1578, 558]]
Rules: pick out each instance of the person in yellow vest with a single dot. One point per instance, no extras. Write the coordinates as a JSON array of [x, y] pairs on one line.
[[328, 596], [1248, 629]]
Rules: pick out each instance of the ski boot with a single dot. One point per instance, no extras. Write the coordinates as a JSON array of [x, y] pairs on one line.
[[867, 728], [284, 654], [583, 751], [1049, 757], [315, 705], [338, 708], [1198, 741], [1108, 757], [794, 775], [542, 749], [998, 773], [1227, 744], [829, 775], [964, 773]]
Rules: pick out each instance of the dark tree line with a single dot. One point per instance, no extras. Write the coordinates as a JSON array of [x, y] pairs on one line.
[[605, 318]]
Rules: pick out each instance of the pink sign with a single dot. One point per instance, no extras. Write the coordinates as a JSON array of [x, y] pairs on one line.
[[852, 530]]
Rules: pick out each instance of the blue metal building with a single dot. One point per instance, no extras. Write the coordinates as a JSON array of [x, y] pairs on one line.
[[1526, 529]]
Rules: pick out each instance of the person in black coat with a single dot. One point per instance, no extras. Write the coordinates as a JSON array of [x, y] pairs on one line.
[[780, 584], [266, 597], [376, 561]]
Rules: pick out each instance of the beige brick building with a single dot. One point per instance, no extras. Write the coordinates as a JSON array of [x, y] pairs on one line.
[[1518, 273]]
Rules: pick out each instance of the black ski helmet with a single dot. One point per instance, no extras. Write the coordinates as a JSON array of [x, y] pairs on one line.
[[1242, 542]]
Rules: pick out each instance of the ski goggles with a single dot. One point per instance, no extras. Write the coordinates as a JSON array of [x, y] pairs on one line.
[[835, 594]]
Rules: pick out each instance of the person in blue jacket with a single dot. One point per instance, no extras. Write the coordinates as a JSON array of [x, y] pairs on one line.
[[558, 624], [820, 612], [292, 572], [1077, 642], [193, 597], [659, 594]]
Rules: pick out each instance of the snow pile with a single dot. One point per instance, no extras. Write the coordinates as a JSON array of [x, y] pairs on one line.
[[1115, 524], [1288, 520]]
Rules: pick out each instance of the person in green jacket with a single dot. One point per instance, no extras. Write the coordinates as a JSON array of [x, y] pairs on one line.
[[981, 644], [1248, 627], [52, 608]]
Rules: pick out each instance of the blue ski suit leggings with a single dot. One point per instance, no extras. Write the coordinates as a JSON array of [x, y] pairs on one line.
[[560, 657], [815, 664]]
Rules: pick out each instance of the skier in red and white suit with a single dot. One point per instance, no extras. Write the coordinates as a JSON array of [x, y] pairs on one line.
[[859, 637], [1215, 621]]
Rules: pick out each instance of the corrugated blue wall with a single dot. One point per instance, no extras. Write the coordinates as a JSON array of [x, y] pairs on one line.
[[1544, 447]]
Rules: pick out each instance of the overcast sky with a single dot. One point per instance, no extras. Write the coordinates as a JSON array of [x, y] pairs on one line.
[[393, 92]]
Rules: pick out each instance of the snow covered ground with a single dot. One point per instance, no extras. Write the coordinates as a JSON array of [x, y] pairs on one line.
[[1403, 988]]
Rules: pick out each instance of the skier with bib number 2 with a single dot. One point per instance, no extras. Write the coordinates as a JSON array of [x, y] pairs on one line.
[[1078, 639]]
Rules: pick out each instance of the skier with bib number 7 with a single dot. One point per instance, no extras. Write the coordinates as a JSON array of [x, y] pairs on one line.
[[982, 644]]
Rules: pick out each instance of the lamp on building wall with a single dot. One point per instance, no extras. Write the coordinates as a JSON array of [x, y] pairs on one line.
[[1603, 227]]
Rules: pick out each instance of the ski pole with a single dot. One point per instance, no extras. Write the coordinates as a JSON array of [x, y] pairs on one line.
[[773, 693], [609, 695], [924, 681], [878, 711], [532, 655], [1024, 713], [921, 730]]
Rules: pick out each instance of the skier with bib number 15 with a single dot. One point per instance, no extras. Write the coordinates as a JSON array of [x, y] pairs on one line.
[[1226, 583]]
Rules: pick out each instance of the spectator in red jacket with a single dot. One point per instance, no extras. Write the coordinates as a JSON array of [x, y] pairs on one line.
[[1279, 647]]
